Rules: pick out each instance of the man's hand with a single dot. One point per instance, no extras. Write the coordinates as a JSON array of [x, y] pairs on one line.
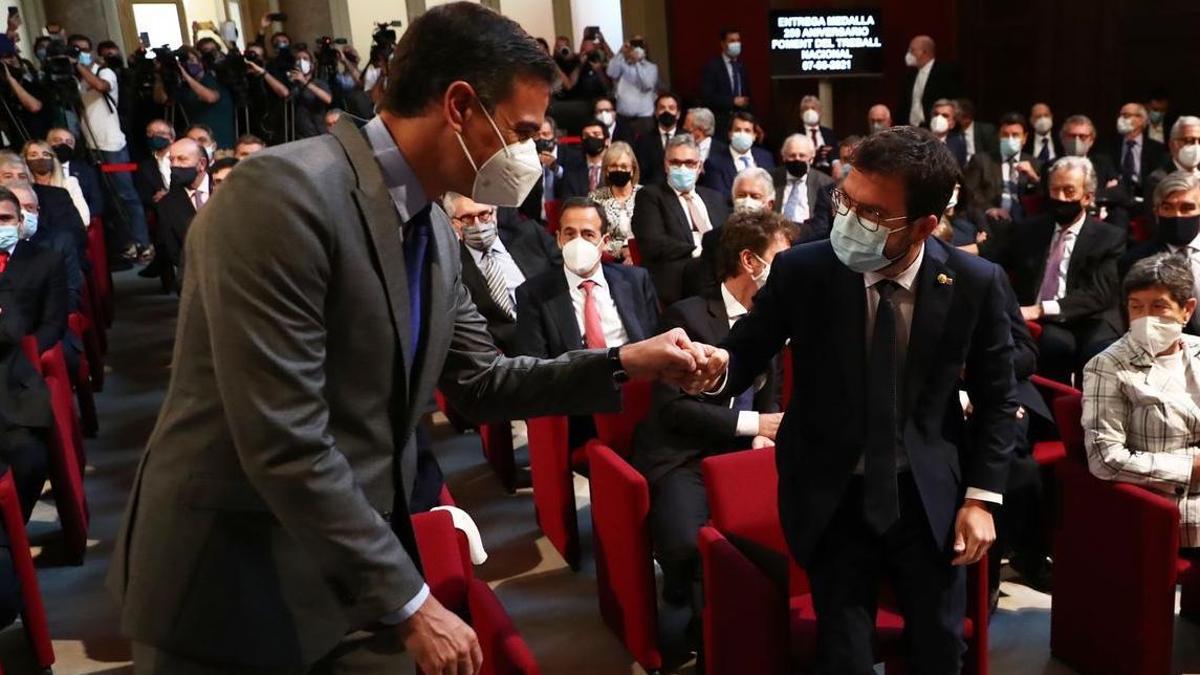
[[265, 22], [1032, 312], [546, 159], [711, 373], [741, 101], [760, 442], [997, 213], [159, 194], [1026, 168], [974, 532], [671, 357], [439, 641], [768, 425]]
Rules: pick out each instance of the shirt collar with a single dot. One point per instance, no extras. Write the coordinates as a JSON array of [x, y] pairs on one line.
[[733, 309], [905, 279], [736, 154], [402, 183], [497, 247], [1078, 224], [573, 280], [927, 67]]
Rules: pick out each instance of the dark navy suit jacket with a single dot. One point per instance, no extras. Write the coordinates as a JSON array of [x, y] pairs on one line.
[[720, 170]]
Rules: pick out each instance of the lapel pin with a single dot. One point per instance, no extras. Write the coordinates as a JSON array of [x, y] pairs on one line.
[[945, 280]]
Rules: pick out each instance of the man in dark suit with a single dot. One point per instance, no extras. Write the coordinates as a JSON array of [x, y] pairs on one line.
[[311, 336], [561, 164], [1135, 154], [1043, 143], [942, 124], [997, 186], [191, 188], [605, 110], [725, 162], [62, 141], [724, 84], [153, 176], [670, 221], [57, 209], [801, 195], [823, 138], [650, 148], [978, 136], [926, 80], [1184, 145], [495, 262], [50, 236], [876, 472], [682, 430], [33, 280], [1063, 266]]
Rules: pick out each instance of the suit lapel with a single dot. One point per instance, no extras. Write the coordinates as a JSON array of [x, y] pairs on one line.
[[622, 296], [439, 325], [682, 230], [563, 313], [718, 318], [934, 293], [1083, 245], [781, 179]]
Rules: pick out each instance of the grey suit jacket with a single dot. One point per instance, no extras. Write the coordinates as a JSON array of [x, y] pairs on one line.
[[260, 527]]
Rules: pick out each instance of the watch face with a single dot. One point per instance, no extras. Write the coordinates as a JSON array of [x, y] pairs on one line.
[[620, 377]]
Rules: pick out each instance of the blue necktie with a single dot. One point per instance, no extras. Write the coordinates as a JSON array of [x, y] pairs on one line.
[[793, 201], [416, 246], [745, 401]]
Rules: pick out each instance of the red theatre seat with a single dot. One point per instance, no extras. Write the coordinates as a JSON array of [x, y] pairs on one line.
[[758, 615], [82, 380], [635, 251], [451, 579], [1116, 566], [495, 437], [552, 215], [101, 278], [33, 613]]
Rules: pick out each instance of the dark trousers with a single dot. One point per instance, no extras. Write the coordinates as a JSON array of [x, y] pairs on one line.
[[1020, 522], [361, 653], [678, 509], [846, 570], [25, 453], [1064, 349]]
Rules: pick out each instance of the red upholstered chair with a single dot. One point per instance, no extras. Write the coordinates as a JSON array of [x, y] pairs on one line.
[[786, 387], [552, 215], [33, 613], [82, 380], [100, 282], [1035, 330], [1140, 228], [495, 437], [758, 614], [1116, 566], [1048, 452], [635, 252], [66, 450], [451, 579]]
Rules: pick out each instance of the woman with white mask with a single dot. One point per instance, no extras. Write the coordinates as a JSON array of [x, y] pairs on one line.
[[1141, 402]]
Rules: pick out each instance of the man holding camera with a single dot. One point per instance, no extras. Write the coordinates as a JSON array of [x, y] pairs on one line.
[[24, 116]]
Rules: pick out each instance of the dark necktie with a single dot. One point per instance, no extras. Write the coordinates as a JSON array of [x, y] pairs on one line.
[[745, 401], [416, 246], [1128, 170], [737, 79], [881, 506], [1044, 154]]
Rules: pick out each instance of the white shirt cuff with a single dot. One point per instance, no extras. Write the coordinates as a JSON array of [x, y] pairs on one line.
[[1050, 308], [405, 613], [747, 423], [985, 495]]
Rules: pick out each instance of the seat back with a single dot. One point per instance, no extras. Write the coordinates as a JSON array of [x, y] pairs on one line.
[[635, 252], [441, 558], [552, 215], [743, 496], [554, 484], [616, 429], [66, 450], [1068, 416], [785, 367], [33, 613]]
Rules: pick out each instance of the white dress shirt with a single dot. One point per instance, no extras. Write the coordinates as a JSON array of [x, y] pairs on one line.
[[916, 113], [904, 298], [747, 421], [738, 157], [697, 235], [969, 136], [610, 319], [164, 168], [704, 146], [1046, 141], [819, 137], [203, 190], [1050, 307], [1156, 132], [729, 72], [513, 277], [801, 211]]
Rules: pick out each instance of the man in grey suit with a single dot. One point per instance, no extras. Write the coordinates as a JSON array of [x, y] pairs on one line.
[[268, 529]]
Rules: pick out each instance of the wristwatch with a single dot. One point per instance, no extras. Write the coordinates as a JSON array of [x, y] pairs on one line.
[[617, 369]]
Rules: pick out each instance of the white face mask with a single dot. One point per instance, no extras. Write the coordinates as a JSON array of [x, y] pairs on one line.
[[746, 204], [605, 117], [810, 117], [506, 178], [741, 141], [1077, 147], [1189, 156], [1124, 125], [939, 125], [910, 59], [761, 279], [1155, 334], [1043, 125], [303, 65], [580, 256]]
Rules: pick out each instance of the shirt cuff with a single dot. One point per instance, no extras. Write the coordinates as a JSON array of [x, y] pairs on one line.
[[405, 613], [1050, 308], [747, 423], [985, 495]]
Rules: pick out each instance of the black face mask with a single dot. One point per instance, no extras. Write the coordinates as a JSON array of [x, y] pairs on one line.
[[666, 120], [796, 168], [1178, 230], [1063, 212], [157, 143], [593, 146], [544, 144], [183, 176], [63, 152], [619, 178]]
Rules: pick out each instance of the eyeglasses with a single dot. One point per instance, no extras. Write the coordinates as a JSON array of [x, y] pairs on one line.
[[482, 218], [687, 163], [869, 219]]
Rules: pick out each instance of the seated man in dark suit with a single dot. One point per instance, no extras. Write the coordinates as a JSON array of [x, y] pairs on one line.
[[942, 122], [824, 140], [62, 141], [753, 190], [153, 176], [997, 187], [48, 236], [650, 148], [978, 136], [1184, 146], [604, 109], [741, 153], [801, 195], [495, 262], [1176, 204], [584, 177], [1044, 145], [682, 430], [670, 221], [56, 208], [189, 191], [1135, 154], [561, 165], [33, 280], [1063, 266]]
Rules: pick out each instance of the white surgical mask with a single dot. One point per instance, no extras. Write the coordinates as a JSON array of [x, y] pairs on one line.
[[734, 49], [304, 65], [939, 124], [1010, 147], [745, 204], [741, 141], [761, 279], [639, 53], [1043, 125], [857, 247], [1155, 334], [30, 224], [1189, 156], [605, 117], [910, 59], [580, 256], [1124, 125], [9, 236], [506, 178], [810, 117], [1077, 147]]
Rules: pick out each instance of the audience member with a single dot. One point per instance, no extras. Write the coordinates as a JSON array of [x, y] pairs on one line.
[[846, 151], [45, 235], [588, 80], [1043, 144], [1159, 114], [740, 154], [25, 100], [724, 84], [617, 196], [997, 187], [926, 80], [636, 80], [188, 192], [45, 169], [753, 190], [246, 145], [593, 138], [33, 279], [605, 110], [154, 172], [1063, 266], [1135, 155], [203, 135], [979, 136], [557, 181], [1137, 429], [650, 148], [823, 138], [201, 96], [56, 210], [878, 118], [802, 196], [941, 123], [1185, 151], [311, 96], [62, 142], [700, 123], [220, 170], [669, 221], [682, 430]]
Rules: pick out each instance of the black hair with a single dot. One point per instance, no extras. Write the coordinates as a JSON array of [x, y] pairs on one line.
[[725, 31], [595, 123], [223, 163], [249, 139], [279, 33], [584, 203], [743, 115], [80, 37], [202, 127], [108, 44], [966, 107], [1164, 270], [922, 162], [610, 100], [753, 231], [1013, 118], [462, 41]]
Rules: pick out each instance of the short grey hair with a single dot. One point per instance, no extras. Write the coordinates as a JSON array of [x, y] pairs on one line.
[[704, 120], [1082, 164], [10, 158], [1077, 119], [1175, 182], [946, 101], [755, 173], [22, 184], [810, 99], [1182, 123], [802, 139], [1166, 271], [1142, 108], [684, 140], [448, 201]]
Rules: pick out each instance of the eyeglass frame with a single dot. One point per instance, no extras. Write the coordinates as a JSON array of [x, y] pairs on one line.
[[844, 204], [474, 219]]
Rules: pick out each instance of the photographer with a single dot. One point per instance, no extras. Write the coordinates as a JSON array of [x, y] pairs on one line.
[[201, 96], [589, 80], [348, 84], [311, 96], [98, 95], [24, 117], [263, 93]]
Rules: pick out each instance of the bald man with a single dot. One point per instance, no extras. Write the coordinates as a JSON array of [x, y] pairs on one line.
[[926, 81], [188, 191]]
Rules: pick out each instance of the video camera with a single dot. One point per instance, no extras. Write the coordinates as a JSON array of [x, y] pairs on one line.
[[57, 66], [326, 55], [383, 41]]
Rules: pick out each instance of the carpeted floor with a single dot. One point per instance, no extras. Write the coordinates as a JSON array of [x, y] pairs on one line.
[[554, 607]]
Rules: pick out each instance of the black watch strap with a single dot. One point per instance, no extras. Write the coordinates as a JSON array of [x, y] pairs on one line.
[[615, 367]]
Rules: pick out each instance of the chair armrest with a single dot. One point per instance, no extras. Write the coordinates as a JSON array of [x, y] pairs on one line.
[[504, 650]]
